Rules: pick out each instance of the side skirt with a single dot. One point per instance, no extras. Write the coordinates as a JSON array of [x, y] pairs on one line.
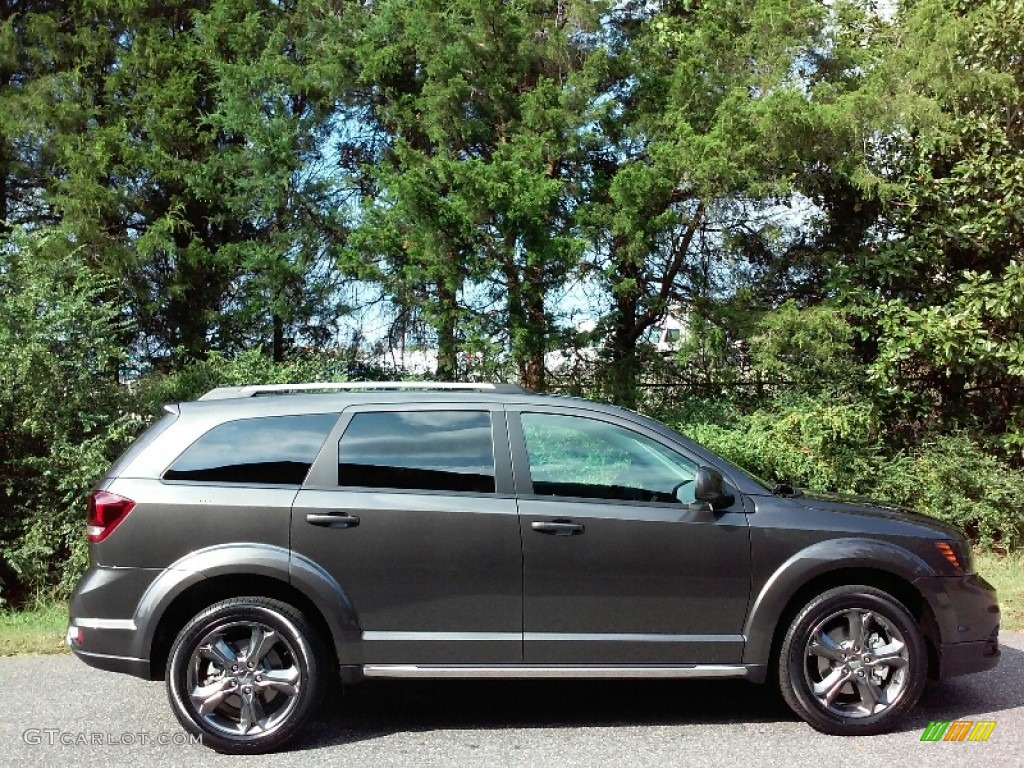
[[752, 672]]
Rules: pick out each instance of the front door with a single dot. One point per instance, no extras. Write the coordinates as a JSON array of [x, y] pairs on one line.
[[619, 567]]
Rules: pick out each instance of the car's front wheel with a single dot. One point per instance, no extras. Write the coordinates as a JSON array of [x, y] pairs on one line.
[[853, 662], [245, 674]]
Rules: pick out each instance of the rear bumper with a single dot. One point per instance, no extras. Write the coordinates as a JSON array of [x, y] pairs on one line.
[[101, 627], [125, 664]]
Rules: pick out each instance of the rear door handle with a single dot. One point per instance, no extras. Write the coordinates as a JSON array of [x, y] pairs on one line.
[[332, 520], [558, 527]]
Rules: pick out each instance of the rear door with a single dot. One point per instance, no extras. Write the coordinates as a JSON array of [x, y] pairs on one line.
[[411, 509], [619, 568]]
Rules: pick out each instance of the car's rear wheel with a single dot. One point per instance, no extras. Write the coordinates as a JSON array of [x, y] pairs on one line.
[[245, 674], [853, 662]]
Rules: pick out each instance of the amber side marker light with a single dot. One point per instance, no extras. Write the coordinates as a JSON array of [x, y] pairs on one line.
[[947, 552]]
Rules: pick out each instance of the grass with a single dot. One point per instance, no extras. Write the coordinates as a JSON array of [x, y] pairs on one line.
[[1006, 574], [38, 629], [41, 628]]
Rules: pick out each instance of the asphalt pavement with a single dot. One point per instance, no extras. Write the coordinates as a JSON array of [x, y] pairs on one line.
[[55, 711]]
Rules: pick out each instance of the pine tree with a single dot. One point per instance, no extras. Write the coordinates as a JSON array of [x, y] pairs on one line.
[[474, 110], [194, 175]]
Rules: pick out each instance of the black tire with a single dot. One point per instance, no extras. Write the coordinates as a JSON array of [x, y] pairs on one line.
[[866, 668], [263, 704]]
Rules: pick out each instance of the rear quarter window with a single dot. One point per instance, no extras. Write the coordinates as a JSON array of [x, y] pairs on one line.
[[274, 450]]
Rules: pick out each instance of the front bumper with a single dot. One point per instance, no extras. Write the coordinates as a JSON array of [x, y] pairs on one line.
[[966, 611], [965, 658]]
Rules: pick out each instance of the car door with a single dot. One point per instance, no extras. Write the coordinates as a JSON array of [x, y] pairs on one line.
[[619, 566], [411, 510]]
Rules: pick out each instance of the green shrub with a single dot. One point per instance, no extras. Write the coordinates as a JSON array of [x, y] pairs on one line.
[[835, 447], [808, 347], [951, 478], [821, 445], [60, 332], [52, 552]]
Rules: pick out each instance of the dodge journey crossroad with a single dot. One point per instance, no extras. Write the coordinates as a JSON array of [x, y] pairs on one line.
[[263, 542]]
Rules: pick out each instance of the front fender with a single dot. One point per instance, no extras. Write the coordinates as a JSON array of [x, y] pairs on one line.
[[258, 560], [810, 563]]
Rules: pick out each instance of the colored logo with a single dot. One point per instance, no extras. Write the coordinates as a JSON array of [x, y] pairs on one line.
[[959, 730]]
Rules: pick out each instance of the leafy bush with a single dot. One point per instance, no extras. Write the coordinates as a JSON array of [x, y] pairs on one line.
[[823, 445], [251, 367], [835, 447], [808, 347], [58, 400], [952, 479]]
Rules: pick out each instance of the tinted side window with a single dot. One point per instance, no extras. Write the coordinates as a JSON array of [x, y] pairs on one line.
[[277, 450], [423, 450], [582, 457]]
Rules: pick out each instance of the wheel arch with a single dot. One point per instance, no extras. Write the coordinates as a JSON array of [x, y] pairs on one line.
[[881, 565], [208, 576]]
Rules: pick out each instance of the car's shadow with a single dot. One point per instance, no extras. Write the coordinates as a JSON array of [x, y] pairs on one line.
[[377, 708]]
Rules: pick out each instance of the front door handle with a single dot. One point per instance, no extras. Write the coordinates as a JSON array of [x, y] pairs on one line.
[[558, 527], [332, 520]]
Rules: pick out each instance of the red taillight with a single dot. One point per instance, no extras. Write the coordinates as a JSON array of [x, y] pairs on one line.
[[106, 511]]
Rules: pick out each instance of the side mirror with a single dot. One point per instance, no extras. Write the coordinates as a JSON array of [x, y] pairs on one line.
[[709, 488]]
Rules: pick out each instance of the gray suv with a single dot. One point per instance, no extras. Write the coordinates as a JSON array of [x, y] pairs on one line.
[[259, 544]]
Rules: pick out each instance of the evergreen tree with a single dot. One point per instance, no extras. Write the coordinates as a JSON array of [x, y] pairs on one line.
[[941, 289], [475, 110], [192, 175], [713, 121]]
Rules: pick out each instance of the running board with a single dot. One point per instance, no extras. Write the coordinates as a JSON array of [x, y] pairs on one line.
[[549, 671]]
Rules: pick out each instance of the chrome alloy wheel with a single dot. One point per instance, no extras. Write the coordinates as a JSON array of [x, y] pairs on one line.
[[856, 663], [243, 679]]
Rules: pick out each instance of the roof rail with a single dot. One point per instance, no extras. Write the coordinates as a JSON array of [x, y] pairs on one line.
[[252, 390]]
